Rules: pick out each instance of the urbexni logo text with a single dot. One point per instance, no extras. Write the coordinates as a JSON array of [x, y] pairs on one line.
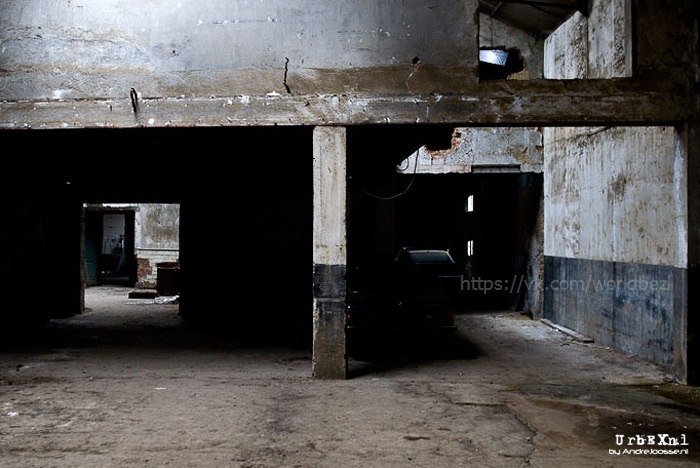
[[659, 440]]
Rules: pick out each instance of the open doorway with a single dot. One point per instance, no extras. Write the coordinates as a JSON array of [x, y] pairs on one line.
[[480, 200], [132, 250], [108, 245], [465, 211], [244, 236]]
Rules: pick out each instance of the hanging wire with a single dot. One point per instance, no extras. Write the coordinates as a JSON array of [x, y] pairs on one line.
[[402, 193]]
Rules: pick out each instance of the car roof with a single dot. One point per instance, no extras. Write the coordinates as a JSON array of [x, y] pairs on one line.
[[424, 256]]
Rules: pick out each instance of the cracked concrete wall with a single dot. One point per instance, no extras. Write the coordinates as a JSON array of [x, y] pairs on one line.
[[53, 49]]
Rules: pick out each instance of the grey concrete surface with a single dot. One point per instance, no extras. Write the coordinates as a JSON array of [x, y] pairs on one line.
[[491, 149], [616, 194], [83, 50], [72, 65], [125, 384]]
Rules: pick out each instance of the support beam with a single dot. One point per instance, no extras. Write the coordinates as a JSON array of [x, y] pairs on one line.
[[330, 252], [507, 103]]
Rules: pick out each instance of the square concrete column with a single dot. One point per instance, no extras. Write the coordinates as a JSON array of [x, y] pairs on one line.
[[330, 252]]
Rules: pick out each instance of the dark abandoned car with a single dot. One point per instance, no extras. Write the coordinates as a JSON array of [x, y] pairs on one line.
[[412, 293]]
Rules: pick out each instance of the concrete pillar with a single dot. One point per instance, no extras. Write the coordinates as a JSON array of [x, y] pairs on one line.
[[330, 253]]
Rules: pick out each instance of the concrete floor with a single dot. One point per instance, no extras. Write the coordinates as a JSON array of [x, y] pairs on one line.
[[126, 384]]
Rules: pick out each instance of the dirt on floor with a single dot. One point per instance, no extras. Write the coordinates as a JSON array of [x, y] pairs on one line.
[[128, 384]]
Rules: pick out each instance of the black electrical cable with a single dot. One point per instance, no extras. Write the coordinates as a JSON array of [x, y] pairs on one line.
[[400, 194]]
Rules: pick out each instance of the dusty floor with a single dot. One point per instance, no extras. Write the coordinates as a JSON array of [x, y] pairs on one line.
[[126, 384]]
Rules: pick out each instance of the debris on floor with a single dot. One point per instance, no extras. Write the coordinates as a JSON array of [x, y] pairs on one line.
[[168, 299]]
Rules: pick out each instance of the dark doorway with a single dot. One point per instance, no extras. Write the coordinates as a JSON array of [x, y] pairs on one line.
[[486, 221], [245, 233], [108, 246]]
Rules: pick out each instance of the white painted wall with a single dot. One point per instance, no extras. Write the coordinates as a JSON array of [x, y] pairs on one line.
[[330, 238], [156, 237], [610, 39], [566, 50], [617, 194], [157, 226], [597, 46]]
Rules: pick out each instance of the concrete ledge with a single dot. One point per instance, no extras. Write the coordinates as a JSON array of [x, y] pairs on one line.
[[567, 331]]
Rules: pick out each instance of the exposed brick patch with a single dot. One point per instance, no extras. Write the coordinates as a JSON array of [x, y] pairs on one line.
[[144, 269]]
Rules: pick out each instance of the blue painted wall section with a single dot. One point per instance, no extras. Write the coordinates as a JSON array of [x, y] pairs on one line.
[[636, 308]]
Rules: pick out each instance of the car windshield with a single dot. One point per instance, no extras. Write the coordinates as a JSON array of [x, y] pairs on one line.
[[419, 257]]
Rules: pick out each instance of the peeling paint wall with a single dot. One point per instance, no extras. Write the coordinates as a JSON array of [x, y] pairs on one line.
[[613, 194], [616, 218], [55, 49], [616, 239], [518, 149], [610, 39], [597, 46], [566, 50], [616, 195], [157, 237]]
